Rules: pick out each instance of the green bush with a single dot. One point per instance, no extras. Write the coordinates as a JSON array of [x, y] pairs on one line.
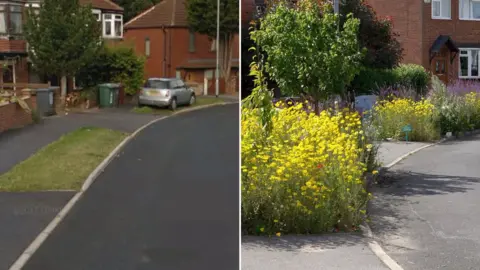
[[412, 76], [408, 76], [456, 113], [114, 65], [370, 81]]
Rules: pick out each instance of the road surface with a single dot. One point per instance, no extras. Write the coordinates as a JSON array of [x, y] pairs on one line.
[[427, 210], [169, 201]]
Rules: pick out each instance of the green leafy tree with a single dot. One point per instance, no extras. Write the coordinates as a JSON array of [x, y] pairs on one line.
[[375, 34], [132, 8], [202, 18], [114, 64], [62, 38], [308, 52]]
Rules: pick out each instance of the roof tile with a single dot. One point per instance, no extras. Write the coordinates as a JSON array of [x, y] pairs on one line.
[[165, 13], [102, 4]]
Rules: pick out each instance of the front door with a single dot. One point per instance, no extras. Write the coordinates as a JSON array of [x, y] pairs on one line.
[[440, 68]]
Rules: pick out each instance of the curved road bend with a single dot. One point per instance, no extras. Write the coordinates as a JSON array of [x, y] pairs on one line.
[[169, 201], [427, 210]]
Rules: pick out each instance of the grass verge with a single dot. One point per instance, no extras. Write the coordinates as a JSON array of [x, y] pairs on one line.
[[63, 164], [201, 101]]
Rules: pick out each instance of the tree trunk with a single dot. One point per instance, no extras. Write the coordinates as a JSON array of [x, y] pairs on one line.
[[63, 90]]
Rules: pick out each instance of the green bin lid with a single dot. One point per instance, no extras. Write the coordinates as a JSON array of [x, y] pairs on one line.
[[110, 85]]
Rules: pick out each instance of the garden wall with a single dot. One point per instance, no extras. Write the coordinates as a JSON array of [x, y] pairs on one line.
[[13, 116]]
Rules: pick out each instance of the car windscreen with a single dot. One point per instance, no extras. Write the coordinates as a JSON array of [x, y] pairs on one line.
[[156, 84]]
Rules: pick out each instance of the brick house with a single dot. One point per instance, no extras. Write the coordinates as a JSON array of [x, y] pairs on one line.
[[15, 65], [441, 35], [162, 35]]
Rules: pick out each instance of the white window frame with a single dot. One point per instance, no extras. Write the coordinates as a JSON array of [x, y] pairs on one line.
[[469, 57], [115, 18], [470, 13], [441, 17], [98, 14]]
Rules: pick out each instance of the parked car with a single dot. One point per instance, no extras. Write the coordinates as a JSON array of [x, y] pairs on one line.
[[166, 92]]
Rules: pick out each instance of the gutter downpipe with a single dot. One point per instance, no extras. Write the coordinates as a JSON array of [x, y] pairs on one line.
[[164, 51]]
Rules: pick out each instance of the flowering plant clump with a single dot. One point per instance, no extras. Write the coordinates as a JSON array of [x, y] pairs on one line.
[[306, 175], [390, 116], [458, 109]]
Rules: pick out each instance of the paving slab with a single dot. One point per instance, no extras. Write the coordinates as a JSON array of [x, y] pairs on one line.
[[390, 151], [332, 251]]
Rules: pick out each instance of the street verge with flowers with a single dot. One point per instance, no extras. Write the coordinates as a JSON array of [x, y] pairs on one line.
[[307, 174]]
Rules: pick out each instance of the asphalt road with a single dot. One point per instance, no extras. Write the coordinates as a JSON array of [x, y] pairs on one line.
[[169, 201], [426, 212]]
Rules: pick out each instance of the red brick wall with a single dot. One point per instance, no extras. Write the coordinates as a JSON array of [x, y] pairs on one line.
[[12, 45], [412, 19], [407, 22], [154, 63], [176, 54], [461, 32], [13, 116]]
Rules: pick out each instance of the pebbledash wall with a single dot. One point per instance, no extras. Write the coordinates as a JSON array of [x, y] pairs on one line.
[[12, 115]]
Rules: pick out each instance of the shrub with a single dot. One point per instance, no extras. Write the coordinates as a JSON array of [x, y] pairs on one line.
[[371, 80], [390, 116], [404, 76], [412, 76], [306, 175], [116, 65], [462, 87], [458, 108]]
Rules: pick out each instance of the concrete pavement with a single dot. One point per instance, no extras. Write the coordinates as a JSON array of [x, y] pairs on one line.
[[168, 201], [426, 214], [318, 252]]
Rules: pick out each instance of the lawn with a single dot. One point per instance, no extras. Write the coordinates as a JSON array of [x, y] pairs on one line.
[[154, 110], [63, 164]]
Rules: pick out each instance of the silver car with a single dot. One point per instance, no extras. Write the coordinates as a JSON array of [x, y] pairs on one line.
[[166, 92]]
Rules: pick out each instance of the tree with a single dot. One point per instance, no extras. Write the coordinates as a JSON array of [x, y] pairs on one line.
[[62, 38], [308, 53], [375, 34], [132, 8], [202, 18], [114, 64]]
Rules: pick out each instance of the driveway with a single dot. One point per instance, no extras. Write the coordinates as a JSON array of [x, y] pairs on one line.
[[426, 211], [168, 201]]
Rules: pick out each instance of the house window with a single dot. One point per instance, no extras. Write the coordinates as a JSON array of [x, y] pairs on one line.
[[16, 19], [469, 9], [441, 9], [191, 44], [98, 14], [213, 45], [112, 25], [440, 67], [3, 19], [11, 19], [469, 60], [147, 47]]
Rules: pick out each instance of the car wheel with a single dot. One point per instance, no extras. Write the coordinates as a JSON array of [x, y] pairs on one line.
[[193, 99], [173, 104]]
